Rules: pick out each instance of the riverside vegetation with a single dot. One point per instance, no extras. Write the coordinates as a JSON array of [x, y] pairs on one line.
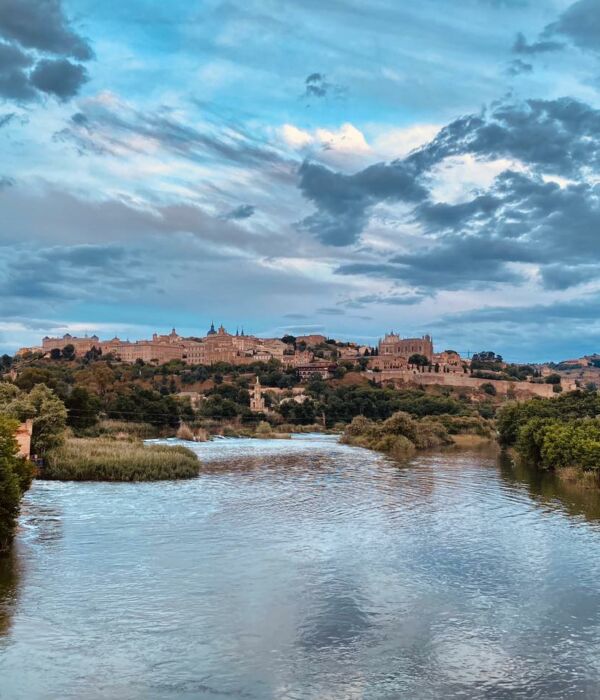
[[402, 434], [16, 475], [108, 459], [561, 434]]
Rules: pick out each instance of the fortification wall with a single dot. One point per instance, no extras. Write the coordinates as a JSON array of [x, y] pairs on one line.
[[520, 389]]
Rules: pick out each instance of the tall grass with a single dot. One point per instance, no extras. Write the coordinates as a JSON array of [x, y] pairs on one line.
[[120, 429], [104, 459]]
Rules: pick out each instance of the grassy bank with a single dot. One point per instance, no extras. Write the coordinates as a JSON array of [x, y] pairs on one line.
[[105, 459], [402, 435]]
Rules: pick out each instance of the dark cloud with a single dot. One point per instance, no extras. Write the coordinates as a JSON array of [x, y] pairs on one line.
[[6, 181], [343, 201], [519, 67], [243, 211], [524, 219], [29, 28], [316, 85], [68, 272], [580, 23], [5, 119], [553, 137], [43, 26], [521, 46], [14, 76], [59, 77]]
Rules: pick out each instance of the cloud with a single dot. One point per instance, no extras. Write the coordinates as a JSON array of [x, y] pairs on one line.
[[551, 137], [68, 272], [343, 201], [390, 299], [317, 86], [541, 46], [5, 119], [519, 67], [106, 124], [36, 42], [59, 77], [580, 23], [243, 211], [330, 311], [42, 25], [6, 182]]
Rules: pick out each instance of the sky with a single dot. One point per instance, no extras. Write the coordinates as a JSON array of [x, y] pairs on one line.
[[345, 167]]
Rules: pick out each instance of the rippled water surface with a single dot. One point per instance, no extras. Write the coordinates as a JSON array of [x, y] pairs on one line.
[[306, 569]]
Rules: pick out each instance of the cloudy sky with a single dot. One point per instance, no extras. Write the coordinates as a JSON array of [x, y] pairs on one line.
[[340, 166]]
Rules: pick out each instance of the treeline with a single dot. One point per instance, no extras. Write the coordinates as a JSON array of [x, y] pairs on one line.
[[554, 433]]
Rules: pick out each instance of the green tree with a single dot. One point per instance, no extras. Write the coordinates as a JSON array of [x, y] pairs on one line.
[[49, 419], [83, 408], [418, 360], [10, 491]]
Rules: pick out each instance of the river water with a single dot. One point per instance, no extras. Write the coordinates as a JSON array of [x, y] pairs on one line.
[[306, 569]]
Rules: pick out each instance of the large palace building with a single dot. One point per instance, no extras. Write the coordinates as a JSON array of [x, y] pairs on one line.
[[216, 346]]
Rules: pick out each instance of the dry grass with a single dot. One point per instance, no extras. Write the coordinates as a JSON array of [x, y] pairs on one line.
[[105, 459], [464, 440]]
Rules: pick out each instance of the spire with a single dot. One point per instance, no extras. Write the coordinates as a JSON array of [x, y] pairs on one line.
[[212, 330]]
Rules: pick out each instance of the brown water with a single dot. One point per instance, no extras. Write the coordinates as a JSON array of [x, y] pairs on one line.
[[306, 569]]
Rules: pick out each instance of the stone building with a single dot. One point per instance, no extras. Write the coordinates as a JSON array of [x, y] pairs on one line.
[[257, 401], [392, 344], [324, 369], [81, 345]]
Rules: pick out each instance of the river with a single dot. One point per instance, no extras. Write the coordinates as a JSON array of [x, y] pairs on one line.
[[306, 569]]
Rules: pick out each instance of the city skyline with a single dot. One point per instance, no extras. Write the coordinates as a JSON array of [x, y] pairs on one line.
[[336, 168]]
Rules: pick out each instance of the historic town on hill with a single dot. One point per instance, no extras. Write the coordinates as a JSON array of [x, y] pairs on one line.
[[394, 359]]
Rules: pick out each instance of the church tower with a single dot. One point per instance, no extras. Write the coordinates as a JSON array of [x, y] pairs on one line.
[[257, 403]]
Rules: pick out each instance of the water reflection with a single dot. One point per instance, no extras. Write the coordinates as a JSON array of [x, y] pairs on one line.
[[306, 569], [9, 578], [550, 489]]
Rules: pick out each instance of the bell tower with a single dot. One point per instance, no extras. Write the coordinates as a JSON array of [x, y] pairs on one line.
[[257, 403]]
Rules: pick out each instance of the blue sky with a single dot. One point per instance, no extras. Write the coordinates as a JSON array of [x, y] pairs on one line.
[[344, 166]]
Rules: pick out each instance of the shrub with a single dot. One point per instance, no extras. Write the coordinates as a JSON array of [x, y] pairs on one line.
[[184, 432], [105, 459], [489, 388]]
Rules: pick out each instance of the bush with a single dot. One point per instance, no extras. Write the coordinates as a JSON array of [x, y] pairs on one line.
[[104, 459], [488, 388]]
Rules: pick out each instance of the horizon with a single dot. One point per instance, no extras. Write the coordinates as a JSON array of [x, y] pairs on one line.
[[343, 170]]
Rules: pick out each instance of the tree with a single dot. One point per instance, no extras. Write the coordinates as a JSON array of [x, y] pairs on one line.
[[10, 492], [489, 388], [31, 376], [418, 360], [68, 352], [12, 484], [83, 408], [552, 379], [49, 419]]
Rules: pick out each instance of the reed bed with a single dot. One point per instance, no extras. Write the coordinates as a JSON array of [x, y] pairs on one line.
[[105, 459]]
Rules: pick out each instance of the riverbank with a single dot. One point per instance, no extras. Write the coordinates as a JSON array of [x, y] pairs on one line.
[[106, 459], [402, 435]]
